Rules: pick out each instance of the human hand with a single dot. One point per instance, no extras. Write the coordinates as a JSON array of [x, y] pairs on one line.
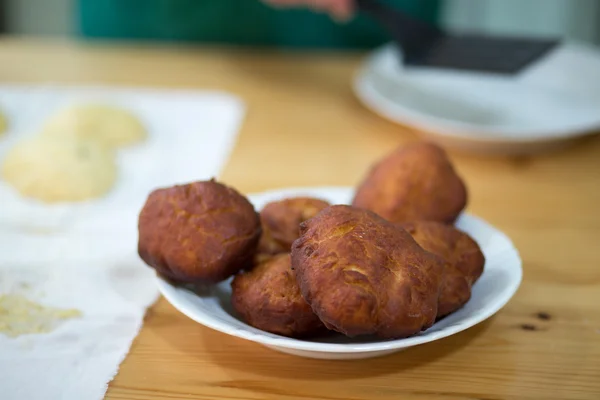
[[341, 10]]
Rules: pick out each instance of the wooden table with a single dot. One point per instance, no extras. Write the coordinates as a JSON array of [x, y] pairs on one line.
[[304, 127]]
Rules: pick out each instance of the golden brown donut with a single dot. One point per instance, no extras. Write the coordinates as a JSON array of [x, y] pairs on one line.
[[202, 232], [414, 183], [364, 275], [267, 245], [269, 298], [463, 258], [281, 222]]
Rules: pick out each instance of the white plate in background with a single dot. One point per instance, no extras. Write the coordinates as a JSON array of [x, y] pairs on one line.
[[211, 306], [552, 101]]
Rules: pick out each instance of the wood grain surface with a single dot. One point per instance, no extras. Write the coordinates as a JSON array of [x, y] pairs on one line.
[[304, 127]]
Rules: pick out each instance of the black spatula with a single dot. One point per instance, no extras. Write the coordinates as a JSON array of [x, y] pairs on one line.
[[425, 45]]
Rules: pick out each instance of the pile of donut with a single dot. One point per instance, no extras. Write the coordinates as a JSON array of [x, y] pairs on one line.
[[390, 265]]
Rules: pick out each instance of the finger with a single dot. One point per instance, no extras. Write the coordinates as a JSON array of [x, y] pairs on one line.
[[342, 10]]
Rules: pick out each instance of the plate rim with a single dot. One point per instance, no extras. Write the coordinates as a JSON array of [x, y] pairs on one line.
[[269, 339]]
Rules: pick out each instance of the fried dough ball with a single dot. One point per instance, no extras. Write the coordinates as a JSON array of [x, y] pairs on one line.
[[268, 246], [281, 222], [202, 232], [269, 298], [463, 261], [364, 275], [414, 183]]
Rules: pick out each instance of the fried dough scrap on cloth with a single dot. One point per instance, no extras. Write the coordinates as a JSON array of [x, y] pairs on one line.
[[269, 298], [202, 232], [364, 275], [281, 222], [463, 258], [414, 183]]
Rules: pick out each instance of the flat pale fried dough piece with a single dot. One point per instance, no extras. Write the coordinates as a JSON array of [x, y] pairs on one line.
[[60, 170], [463, 258], [202, 232], [414, 183], [363, 275], [21, 316], [3, 123], [268, 298], [111, 126], [281, 222]]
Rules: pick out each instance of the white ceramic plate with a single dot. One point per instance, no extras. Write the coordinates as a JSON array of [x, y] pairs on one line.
[[211, 306], [551, 102]]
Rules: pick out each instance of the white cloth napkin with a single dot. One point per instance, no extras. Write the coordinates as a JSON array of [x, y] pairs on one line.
[[99, 276], [190, 135], [84, 256]]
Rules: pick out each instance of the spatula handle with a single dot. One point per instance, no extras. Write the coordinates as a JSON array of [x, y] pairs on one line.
[[414, 36]]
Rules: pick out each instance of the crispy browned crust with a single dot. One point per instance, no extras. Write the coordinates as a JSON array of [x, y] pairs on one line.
[[269, 298], [281, 222], [414, 183], [463, 258], [364, 275], [268, 246], [202, 232]]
